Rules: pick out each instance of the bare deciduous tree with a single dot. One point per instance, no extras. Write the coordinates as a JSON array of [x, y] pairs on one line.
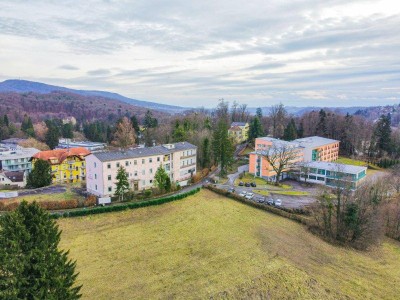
[[125, 134], [281, 156]]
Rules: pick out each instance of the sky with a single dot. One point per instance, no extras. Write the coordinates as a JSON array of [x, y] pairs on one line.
[[192, 53]]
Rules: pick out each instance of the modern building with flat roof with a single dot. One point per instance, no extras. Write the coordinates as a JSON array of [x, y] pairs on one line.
[[179, 161], [316, 148], [333, 174], [17, 159], [91, 146]]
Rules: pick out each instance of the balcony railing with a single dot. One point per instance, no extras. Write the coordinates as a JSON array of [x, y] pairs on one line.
[[187, 166], [187, 156]]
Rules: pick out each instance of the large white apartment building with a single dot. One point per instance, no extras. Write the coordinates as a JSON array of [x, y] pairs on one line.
[[16, 158], [141, 164]]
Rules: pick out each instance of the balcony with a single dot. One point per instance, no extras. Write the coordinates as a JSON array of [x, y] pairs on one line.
[[188, 156], [71, 162], [188, 166]]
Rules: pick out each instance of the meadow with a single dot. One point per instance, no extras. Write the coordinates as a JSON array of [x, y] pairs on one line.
[[209, 246]]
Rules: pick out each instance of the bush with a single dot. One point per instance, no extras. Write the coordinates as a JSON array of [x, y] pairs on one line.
[[91, 200], [147, 193]]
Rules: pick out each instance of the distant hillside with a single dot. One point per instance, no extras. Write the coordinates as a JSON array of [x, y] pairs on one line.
[[62, 104], [298, 111], [23, 86]]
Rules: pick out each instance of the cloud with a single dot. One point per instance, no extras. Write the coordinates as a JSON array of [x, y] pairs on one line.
[[68, 67], [191, 52]]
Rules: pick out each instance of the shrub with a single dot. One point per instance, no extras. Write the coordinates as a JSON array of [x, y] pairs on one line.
[[91, 200], [147, 193]]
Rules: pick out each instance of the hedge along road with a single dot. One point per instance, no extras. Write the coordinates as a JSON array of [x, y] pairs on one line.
[[184, 190]]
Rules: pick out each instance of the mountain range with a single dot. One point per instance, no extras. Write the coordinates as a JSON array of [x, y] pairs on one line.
[[24, 86]]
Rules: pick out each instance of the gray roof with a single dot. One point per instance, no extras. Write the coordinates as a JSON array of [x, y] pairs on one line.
[[238, 124], [142, 152], [315, 141], [332, 166]]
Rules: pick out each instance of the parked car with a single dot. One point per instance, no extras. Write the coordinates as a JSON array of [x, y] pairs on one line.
[[231, 190], [247, 184], [249, 196], [278, 202], [253, 184], [241, 183], [260, 200], [270, 201], [243, 194]]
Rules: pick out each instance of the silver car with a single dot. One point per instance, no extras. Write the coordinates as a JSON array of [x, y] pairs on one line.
[[249, 195]]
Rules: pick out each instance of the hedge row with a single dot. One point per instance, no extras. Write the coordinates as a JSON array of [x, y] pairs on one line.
[[115, 208], [272, 209]]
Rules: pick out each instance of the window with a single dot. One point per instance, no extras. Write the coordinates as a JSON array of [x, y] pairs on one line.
[[135, 173], [158, 158], [143, 161], [95, 165], [95, 176], [76, 169], [109, 177], [126, 163], [108, 166], [110, 189], [151, 171], [151, 181], [77, 176], [118, 164], [95, 187], [312, 177], [150, 160], [143, 182], [135, 162]]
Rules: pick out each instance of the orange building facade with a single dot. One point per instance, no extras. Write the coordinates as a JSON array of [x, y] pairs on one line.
[[305, 150]]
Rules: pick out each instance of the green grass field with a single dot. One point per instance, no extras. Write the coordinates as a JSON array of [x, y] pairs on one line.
[[349, 161], [210, 246], [68, 195]]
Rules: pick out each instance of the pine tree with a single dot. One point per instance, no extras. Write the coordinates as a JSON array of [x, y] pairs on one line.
[[382, 134], [67, 131], [259, 113], [6, 121], [290, 132], [322, 128], [135, 124], [52, 135], [149, 121], [40, 176], [222, 146], [31, 265], [255, 129], [206, 159], [122, 185]]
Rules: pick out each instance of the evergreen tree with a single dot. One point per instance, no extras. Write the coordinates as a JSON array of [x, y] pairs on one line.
[[178, 133], [290, 132], [322, 128], [27, 126], [6, 121], [52, 135], [259, 113], [40, 176], [135, 124], [300, 132], [206, 159], [382, 134], [31, 264], [222, 146], [162, 180], [122, 185], [255, 129], [67, 131], [149, 121]]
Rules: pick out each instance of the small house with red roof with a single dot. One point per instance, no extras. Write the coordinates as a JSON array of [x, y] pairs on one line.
[[67, 165]]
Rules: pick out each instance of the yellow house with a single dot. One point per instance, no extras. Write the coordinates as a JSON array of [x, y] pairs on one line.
[[67, 165], [239, 131]]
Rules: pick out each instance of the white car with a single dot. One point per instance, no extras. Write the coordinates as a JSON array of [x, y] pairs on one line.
[[249, 195], [242, 194], [278, 202]]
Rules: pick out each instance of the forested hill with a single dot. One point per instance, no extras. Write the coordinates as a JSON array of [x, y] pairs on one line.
[[23, 86], [65, 104]]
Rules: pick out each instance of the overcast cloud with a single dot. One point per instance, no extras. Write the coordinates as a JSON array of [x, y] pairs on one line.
[[191, 53]]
